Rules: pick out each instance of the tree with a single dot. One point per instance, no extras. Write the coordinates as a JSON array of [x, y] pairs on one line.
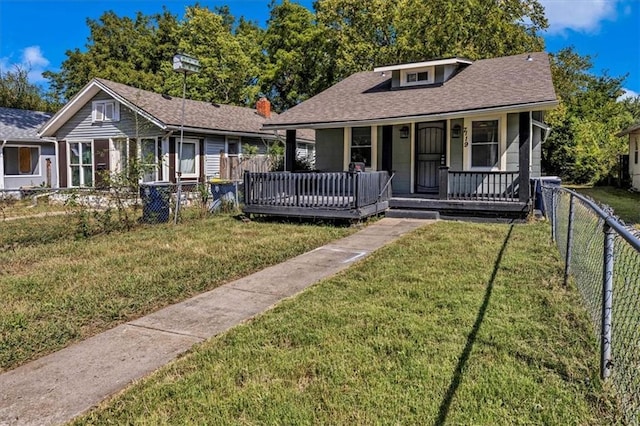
[[129, 51], [582, 147], [298, 63], [17, 92], [378, 32]]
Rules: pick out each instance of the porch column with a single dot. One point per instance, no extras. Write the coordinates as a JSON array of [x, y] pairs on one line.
[[290, 151], [443, 188], [525, 154]]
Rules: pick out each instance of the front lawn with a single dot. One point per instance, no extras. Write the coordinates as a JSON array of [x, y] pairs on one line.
[[456, 323], [625, 204], [56, 289]]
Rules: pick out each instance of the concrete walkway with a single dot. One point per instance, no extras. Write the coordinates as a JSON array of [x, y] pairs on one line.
[[58, 387]]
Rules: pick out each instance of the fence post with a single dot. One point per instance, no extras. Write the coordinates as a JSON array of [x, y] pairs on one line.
[[567, 260], [554, 219], [607, 302]]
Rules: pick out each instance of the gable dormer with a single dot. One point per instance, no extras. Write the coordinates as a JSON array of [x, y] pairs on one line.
[[423, 73]]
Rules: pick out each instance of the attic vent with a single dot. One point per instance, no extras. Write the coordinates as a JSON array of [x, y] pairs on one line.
[[166, 96]]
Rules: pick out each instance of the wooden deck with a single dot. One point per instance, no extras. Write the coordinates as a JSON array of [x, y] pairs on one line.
[[339, 195]]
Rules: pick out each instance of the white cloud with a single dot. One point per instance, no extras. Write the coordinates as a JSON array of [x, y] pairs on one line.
[[581, 16], [32, 56], [628, 94], [32, 60]]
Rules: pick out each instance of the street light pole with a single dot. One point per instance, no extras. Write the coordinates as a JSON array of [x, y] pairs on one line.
[[183, 64]]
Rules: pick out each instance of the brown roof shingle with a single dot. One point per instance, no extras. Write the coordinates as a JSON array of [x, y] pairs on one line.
[[367, 96], [198, 114]]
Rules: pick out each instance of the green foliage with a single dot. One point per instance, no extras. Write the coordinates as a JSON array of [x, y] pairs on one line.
[[582, 147], [17, 92]]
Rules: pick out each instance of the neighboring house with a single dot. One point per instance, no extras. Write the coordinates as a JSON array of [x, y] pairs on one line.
[[481, 122], [634, 151], [26, 160], [106, 123]]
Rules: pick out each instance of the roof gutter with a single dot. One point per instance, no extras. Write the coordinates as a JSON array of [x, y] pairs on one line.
[[409, 118], [225, 132]]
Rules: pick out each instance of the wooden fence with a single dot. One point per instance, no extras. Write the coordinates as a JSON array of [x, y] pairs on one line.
[[233, 167]]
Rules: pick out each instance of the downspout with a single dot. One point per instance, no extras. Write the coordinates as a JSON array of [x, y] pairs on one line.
[[2, 164], [530, 143]]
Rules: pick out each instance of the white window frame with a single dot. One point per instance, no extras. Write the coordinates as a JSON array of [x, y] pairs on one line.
[[502, 141], [372, 142], [39, 172], [99, 111], [157, 147], [404, 75], [80, 164], [196, 142]]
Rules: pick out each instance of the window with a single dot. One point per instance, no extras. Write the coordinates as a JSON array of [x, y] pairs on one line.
[[414, 77], [188, 158], [417, 76], [105, 111], [233, 146], [361, 145], [485, 143], [81, 163], [21, 160], [150, 153]]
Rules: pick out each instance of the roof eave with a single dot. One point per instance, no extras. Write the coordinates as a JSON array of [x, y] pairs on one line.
[[266, 134], [80, 99], [543, 105]]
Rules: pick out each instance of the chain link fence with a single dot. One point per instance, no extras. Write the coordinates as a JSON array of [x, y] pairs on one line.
[[122, 206], [602, 255]]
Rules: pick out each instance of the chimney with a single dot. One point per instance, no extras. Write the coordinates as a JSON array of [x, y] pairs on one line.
[[263, 107]]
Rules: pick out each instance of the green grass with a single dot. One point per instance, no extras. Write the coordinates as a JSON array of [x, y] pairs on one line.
[[15, 208], [66, 290], [454, 324], [625, 204]]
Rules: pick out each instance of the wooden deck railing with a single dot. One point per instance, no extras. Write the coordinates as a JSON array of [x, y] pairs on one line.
[[337, 190], [479, 186]]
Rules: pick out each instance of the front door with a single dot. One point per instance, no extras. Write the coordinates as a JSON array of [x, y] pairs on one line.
[[430, 155]]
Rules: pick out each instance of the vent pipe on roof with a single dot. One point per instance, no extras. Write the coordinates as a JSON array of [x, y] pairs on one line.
[[529, 58]]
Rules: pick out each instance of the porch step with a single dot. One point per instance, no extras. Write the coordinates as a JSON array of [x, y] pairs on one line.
[[412, 214]]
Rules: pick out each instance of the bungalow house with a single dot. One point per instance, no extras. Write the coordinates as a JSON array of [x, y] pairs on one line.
[[106, 123], [455, 133], [634, 148], [26, 160]]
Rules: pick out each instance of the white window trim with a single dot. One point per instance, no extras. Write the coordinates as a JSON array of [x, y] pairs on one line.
[[197, 159], [95, 105], [373, 141], [93, 167], [502, 143], [24, 174], [404, 73], [157, 145]]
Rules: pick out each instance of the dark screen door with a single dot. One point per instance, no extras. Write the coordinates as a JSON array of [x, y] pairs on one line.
[[430, 154]]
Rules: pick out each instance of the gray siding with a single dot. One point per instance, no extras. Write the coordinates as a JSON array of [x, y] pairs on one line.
[[259, 142], [47, 152], [401, 163], [212, 147], [513, 142], [455, 150], [330, 150], [81, 127], [536, 152]]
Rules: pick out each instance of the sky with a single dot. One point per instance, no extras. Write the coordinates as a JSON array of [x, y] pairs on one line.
[[35, 34]]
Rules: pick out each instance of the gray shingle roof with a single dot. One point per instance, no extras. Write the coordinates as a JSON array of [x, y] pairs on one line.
[[21, 124], [488, 83], [198, 114]]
